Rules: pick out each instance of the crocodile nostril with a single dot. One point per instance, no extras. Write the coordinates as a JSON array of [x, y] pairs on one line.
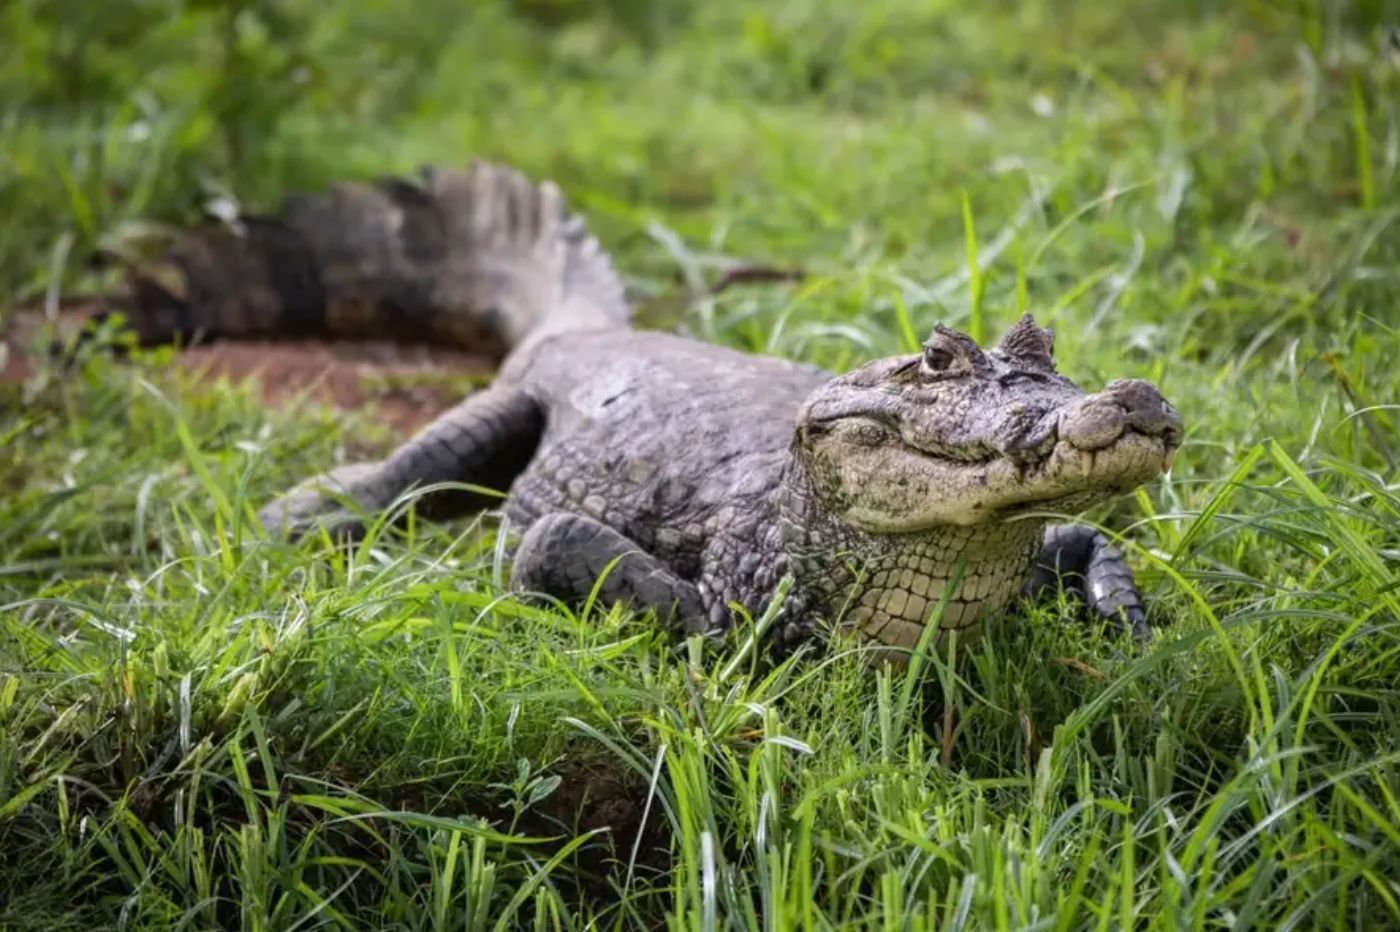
[[1145, 409], [1171, 430]]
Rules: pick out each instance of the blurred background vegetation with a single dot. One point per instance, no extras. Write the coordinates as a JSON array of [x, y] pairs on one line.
[[138, 108]]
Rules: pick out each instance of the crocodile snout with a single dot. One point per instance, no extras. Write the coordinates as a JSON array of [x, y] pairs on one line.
[[1099, 420]]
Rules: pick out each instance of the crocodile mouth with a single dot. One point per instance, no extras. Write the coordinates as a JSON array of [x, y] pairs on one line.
[[1131, 444], [891, 478], [978, 487], [1067, 435], [1069, 476]]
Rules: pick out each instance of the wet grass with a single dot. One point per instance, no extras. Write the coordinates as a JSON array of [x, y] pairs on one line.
[[202, 728]]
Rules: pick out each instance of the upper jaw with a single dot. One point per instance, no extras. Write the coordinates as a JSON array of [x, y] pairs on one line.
[[1074, 476], [1127, 413], [1111, 442], [1077, 457], [1090, 449], [1127, 406]]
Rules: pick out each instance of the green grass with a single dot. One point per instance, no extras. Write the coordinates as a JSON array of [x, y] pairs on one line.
[[201, 728]]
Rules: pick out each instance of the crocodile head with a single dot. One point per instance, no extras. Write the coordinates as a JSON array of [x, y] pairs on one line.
[[960, 436]]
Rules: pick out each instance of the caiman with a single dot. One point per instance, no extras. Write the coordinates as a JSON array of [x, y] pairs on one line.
[[690, 477]]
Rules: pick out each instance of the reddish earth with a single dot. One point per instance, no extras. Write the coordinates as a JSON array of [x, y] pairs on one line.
[[405, 386]]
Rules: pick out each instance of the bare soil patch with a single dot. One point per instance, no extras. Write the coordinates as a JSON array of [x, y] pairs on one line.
[[405, 386]]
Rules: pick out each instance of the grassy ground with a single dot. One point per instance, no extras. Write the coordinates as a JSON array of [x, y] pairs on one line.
[[201, 728]]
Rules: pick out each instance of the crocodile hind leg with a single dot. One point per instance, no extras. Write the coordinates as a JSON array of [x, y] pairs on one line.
[[486, 441], [1081, 559], [563, 555]]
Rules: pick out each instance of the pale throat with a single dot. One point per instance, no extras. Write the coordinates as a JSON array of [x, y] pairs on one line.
[[888, 586]]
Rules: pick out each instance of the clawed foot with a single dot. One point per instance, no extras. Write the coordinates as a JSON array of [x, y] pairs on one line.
[[319, 504], [1081, 560], [572, 557]]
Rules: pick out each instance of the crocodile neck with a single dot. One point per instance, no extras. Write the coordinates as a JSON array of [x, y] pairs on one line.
[[887, 585]]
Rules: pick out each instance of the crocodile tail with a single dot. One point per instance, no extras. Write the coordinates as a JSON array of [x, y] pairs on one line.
[[476, 259]]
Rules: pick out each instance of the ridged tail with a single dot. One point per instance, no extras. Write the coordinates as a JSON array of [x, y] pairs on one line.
[[477, 259]]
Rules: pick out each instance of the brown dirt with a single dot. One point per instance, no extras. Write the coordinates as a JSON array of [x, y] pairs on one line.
[[405, 386]]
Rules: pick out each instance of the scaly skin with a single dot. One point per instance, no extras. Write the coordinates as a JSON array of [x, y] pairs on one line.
[[695, 475], [717, 472]]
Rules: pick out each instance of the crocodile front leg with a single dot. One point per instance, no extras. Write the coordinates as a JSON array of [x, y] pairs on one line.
[[485, 441], [563, 555], [1083, 560]]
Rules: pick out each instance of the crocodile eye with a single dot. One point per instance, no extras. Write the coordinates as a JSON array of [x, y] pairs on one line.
[[948, 354], [942, 361], [938, 358]]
